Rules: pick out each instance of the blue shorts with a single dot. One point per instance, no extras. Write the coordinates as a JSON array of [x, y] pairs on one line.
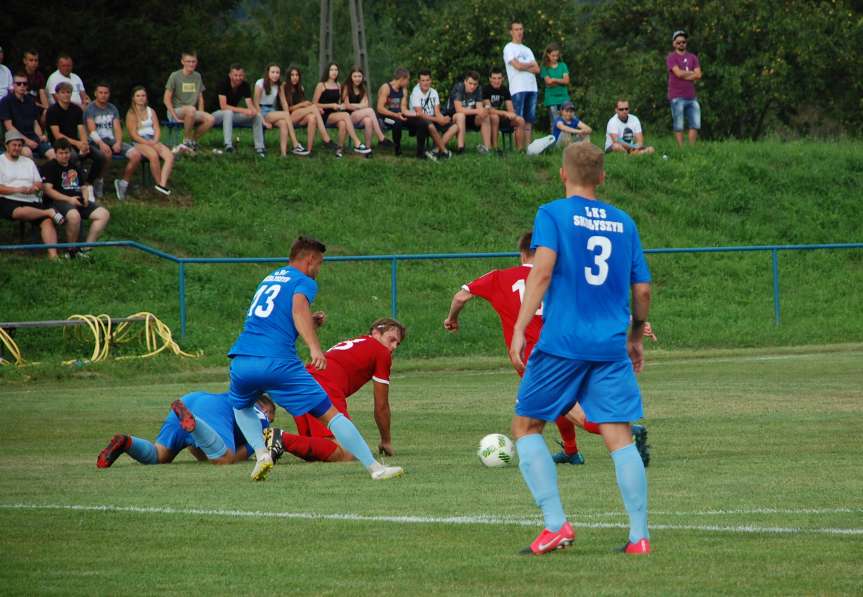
[[524, 104], [215, 410], [285, 380], [689, 108], [607, 391]]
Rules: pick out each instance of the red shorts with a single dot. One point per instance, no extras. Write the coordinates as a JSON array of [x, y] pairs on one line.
[[309, 425]]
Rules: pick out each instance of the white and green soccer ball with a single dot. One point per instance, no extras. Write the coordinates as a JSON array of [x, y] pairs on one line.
[[495, 450]]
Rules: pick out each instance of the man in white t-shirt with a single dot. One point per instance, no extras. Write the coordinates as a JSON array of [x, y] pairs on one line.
[[64, 74], [424, 102], [521, 71], [623, 133], [5, 77]]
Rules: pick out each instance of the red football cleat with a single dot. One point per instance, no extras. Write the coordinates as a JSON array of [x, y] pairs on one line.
[[549, 541], [640, 547], [187, 419], [118, 444]]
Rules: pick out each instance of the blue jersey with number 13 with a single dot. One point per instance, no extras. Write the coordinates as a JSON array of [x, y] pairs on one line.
[[269, 330]]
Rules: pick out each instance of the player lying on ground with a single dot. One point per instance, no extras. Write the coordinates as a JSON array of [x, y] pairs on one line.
[[504, 290], [350, 365], [264, 359], [200, 421]]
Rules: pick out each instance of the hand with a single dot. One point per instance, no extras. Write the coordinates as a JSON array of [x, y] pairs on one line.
[[118, 147], [648, 331], [83, 148], [30, 143], [450, 325], [516, 350], [104, 148], [319, 361], [79, 201], [401, 117], [635, 348], [267, 125], [319, 318], [386, 448]]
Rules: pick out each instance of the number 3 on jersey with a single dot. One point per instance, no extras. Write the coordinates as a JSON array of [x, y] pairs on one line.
[[600, 260], [519, 288], [266, 309]]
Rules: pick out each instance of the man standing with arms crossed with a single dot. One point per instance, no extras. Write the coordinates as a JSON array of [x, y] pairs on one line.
[[521, 71], [683, 71], [588, 260]]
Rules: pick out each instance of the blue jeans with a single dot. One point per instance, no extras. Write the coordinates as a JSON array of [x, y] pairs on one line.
[[524, 104], [689, 108]]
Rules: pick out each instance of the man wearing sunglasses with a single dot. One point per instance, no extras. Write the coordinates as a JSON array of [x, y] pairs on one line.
[[623, 132], [19, 112], [683, 71]]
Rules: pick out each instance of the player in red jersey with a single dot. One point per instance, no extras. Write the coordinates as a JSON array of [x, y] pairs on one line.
[[350, 365], [504, 289]]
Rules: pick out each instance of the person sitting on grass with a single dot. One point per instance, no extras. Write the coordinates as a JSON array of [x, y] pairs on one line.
[[143, 126], [623, 133], [20, 185], [269, 97], [303, 112], [355, 98], [102, 121], [69, 196], [328, 97], [568, 128], [200, 421]]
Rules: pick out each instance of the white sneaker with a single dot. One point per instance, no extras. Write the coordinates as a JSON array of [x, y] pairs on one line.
[[120, 187], [262, 468], [361, 148], [387, 472]]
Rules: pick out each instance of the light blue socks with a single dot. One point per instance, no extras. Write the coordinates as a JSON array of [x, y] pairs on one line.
[[143, 451], [209, 441], [350, 439], [540, 474], [633, 489], [250, 425]]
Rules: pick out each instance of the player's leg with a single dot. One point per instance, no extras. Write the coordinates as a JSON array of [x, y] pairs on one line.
[[308, 448], [349, 437], [206, 438], [248, 374], [569, 453]]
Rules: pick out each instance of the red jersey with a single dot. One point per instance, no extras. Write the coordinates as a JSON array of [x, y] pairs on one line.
[[504, 289], [352, 363]]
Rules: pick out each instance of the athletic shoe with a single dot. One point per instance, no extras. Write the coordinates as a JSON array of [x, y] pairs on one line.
[[183, 148], [482, 149], [121, 187], [549, 541], [563, 458], [164, 190], [118, 444], [387, 472], [262, 153], [386, 143], [99, 188], [339, 152], [263, 466], [639, 436], [331, 145], [431, 155], [639, 548], [187, 419], [273, 441], [84, 254], [229, 149], [361, 148], [300, 150], [459, 150]]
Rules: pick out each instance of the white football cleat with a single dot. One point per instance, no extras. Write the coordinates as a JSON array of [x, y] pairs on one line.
[[262, 468], [387, 472]]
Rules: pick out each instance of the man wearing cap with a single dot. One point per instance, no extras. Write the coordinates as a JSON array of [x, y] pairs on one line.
[[623, 132], [683, 70], [20, 185], [20, 113], [5, 77]]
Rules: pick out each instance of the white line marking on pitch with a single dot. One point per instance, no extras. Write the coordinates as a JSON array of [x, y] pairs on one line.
[[463, 520]]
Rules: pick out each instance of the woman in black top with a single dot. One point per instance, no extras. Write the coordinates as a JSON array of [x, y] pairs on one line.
[[328, 97], [303, 112], [355, 98]]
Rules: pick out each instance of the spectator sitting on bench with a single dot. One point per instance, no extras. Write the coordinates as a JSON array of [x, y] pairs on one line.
[[623, 133], [303, 112], [102, 120], [20, 184], [429, 121], [65, 120], [68, 196], [184, 100], [19, 113], [466, 108], [64, 74], [498, 100], [392, 105], [355, 98], [269, 97], [567, 128], [5, 78], [143, 126], [233, 93], [328, 96]]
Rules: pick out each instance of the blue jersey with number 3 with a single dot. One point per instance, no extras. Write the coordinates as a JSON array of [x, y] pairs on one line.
[[599, 257], [269, 330]]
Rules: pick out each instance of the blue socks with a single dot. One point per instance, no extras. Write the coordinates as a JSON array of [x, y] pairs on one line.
[[250, 425], [350, 439], [143, 451], [209, 441], [633, 488], [540, 474]]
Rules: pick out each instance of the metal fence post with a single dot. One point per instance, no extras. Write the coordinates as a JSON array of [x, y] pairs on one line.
[[393, 289], [181, 291], [776, 312]]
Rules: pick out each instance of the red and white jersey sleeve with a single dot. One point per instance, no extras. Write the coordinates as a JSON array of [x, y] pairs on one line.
[[352, 363], [504, 289]]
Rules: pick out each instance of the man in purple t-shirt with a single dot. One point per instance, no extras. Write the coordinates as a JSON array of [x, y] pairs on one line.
[[683, 70]]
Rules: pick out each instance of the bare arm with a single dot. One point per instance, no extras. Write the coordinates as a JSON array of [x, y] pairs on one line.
[[382, 417], [640, 311], [302, 316], [168, 100], [56, 195], [459, 300], [534, 291], [686, 75]]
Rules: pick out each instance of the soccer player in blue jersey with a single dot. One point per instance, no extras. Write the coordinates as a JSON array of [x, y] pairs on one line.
[[588, 262], [200, 421], [264, 359]]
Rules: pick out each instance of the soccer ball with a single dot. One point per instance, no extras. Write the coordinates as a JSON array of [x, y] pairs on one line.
[[495, 450]]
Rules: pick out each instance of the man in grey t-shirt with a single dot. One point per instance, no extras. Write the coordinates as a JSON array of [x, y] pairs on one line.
[[184, 100], [105, 133]]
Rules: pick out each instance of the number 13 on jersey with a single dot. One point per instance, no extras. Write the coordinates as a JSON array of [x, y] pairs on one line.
[[268, 294]]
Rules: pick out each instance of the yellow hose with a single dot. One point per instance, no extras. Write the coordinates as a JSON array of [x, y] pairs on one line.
[[12, 348]]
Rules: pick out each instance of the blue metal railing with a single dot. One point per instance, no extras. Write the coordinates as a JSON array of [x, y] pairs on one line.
[[395, 258]]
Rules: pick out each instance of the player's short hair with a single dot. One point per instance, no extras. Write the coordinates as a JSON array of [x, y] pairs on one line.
[[496, 70], [267, 401], [524, 243], [306, 244], [424, 73], [621, 100], [63, 56], [583, 163], [401, 73], [514, 22], [236, 66], [472, 74], [190, 53], [385, 324], [64, 86], [62, 144], [104, 84]]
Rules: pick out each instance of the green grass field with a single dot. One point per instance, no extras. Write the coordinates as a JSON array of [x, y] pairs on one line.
[[755, 488]]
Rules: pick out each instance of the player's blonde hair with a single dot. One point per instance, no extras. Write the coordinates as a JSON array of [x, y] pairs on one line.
[[583, 164], [385, 324]]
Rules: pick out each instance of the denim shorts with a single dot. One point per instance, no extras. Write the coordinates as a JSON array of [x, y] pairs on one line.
[[689, 108], [524, 104]]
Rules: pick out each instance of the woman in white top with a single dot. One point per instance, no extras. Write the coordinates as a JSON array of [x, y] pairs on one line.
[[355, 98], [328, 97], [142, 122], [269, 97]]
